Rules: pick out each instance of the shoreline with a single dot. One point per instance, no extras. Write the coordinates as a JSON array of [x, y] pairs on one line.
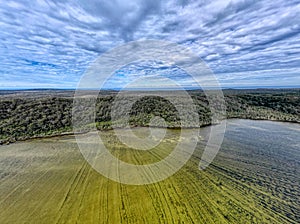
[[70, 133]]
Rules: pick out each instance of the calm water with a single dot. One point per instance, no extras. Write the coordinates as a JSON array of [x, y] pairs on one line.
[[278, 140], [255, 176]]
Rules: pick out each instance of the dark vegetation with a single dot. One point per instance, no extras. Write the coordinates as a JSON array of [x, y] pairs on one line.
[[27, 114]]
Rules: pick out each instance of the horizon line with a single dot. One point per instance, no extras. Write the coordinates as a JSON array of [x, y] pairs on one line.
[[149, 89]]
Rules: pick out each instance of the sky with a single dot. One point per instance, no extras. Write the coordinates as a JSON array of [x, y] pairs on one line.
[[246, 43]]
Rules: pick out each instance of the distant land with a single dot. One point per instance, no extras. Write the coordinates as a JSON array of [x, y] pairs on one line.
[[118, 89], [35, 113]]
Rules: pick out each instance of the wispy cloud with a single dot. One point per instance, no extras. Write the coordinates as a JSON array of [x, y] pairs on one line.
[[245, 42]]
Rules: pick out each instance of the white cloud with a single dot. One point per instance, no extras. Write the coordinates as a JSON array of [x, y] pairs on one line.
[[54, 41]]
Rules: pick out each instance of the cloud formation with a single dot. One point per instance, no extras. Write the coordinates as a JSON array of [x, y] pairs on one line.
[[245, 42]]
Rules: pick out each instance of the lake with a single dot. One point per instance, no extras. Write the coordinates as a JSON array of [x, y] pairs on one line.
[[254, 178]]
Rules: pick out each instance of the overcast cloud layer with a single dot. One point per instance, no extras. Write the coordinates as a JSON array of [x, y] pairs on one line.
[[49, 44]]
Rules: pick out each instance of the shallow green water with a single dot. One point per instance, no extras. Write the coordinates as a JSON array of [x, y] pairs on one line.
[[254, 178]]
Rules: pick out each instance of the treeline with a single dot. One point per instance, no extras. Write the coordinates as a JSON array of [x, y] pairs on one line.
[[22, 118]]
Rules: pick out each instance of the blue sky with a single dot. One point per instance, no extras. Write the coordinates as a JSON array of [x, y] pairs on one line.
[[50, 44]]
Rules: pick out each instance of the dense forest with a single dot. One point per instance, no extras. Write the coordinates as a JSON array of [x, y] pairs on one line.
[[27, 114]]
